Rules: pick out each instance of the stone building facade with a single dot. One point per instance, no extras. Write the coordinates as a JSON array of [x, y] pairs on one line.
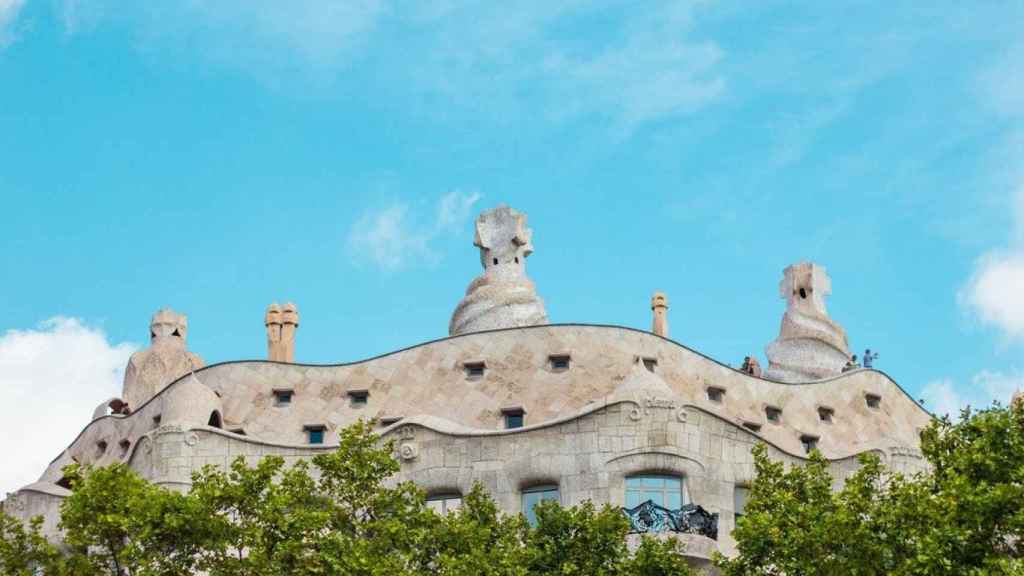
[[529, 409]]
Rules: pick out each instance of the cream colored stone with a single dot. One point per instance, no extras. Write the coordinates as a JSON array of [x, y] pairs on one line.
[[810, 346], [659, 309], [165, 360]]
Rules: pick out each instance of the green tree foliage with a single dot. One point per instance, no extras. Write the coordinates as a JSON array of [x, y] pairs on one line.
[[336, 515], [964, 516]]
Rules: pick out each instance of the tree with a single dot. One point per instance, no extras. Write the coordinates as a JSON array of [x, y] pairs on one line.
[[23, 549], [964, 516]]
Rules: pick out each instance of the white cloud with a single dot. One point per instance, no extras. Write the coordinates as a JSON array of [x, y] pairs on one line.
[[945, 397], [396, 235], [52, 378], [8, 14]]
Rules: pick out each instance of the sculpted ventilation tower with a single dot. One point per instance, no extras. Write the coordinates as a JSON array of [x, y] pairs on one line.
[[659, 307], [281, 323], [810, 346], [163, 362], [501, 297]]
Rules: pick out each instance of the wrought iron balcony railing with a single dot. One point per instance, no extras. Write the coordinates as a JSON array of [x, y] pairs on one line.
[[690, 519]]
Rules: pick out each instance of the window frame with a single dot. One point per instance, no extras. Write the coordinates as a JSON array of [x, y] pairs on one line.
[[642, 489], [444, 498], [320, 429], [279, 397], [514, 412], [541, 489]]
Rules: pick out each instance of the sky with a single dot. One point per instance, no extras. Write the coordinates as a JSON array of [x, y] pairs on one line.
[[215, 157]]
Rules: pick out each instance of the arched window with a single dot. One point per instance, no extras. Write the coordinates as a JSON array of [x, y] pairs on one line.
[[215, 419], [664, 490], [535, 495], [445, 502]]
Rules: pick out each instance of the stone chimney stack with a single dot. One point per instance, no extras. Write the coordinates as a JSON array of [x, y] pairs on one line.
[[659, 306], [281, 323]]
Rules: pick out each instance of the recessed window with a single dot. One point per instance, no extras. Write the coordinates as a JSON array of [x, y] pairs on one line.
[[239, 431], [559, 362], [156, 420], [536, 495], [873, 400], [716, 394], [664, 490], [358, 398], [283, 397], [124, 445], [752, 426], [389, 420], [495, 261], [650, 364], [825, 413], [101, 448], [740, 496], [809, 442], [803, 293], [514, 417], [214, 419], [773, 414], [444, 503], [315, 433], [474, 370]]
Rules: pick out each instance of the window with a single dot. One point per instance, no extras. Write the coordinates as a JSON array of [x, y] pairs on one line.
[[809, 442], [663, 490], [283, 397], [101, 448], [315, 433], [156, 420], [474, 370], [514, 417], [239, 431], [214, 419], [825, 413], [559, 362], [716, 394], [773, 414], [358, 398], [444, 503], [873, 400], [740, 495], [124, 445], [534, 496], [650, 364], [752, 426], [389, 420]]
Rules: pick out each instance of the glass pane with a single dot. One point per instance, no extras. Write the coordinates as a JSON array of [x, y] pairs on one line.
[[633, 482], [653, 481], [452, 504], [436, 506], [632, 499], [672, 483], [674, 500], [656, 496], [739, 496]]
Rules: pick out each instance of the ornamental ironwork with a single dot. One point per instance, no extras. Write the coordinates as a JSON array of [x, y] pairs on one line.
[[690, 519]]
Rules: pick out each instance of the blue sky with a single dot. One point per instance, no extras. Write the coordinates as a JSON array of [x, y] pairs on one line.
[[217, 156]]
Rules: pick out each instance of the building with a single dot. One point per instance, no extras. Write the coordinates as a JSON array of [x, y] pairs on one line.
[[532, 410]]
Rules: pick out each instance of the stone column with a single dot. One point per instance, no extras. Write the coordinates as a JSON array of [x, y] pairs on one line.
[[659, 307]]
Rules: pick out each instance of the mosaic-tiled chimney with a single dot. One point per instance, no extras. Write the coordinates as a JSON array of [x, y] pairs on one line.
[[282, 322]]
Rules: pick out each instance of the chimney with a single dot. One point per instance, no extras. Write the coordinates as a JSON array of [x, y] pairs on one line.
[[289, 325], [272, 320], [659, 306]]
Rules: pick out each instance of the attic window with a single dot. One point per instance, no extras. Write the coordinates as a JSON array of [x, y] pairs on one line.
[[495, 261], [124, 445], [559, 362], [474, 370], [315, 433], [358, 397], [101, 448], [716, 394], [773, 414], [214, 419], [64, 483], [809, 442], [803, 293], [825, 413], [873, 400], [156, 420], [752, 426], [389, 420], [650, 364], [514, 417], [239, 431], [283, 397]]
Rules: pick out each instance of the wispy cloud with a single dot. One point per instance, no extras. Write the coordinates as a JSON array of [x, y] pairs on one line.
[[623, 61], [8, 16], [396, 235], [57, 374], [945, 397]]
